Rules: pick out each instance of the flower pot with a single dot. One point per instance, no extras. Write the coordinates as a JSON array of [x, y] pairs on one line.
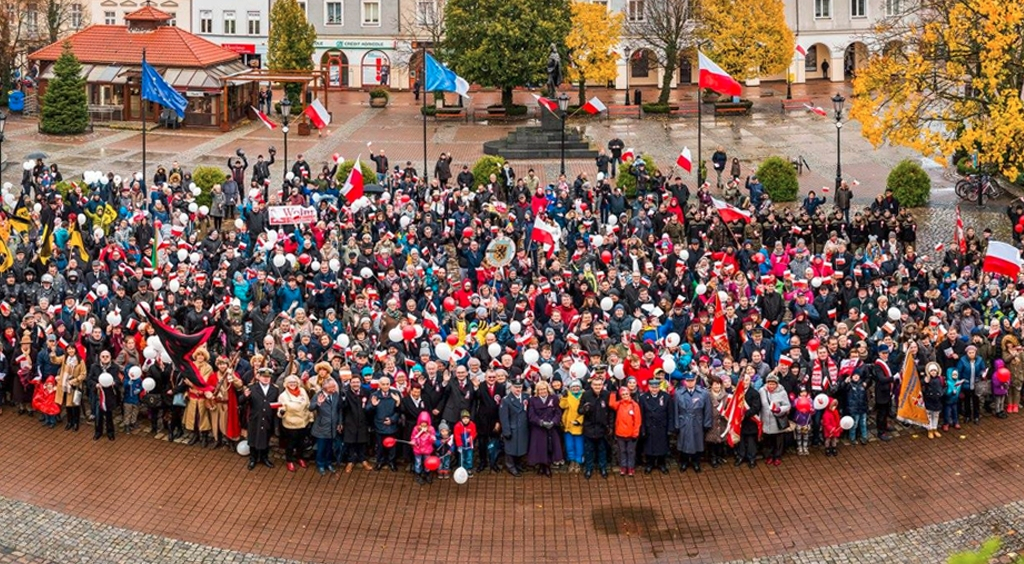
[[378, 102]]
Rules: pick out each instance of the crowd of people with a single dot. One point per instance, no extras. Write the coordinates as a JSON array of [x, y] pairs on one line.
[[463, 324]]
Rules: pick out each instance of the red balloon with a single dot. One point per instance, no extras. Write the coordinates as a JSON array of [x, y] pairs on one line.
[[606, 257], [449, 304], [758, 258], [432, 463], [389, 442], [1003, 374], [408, 332], [453, 339], [813, 345], [467, 232], [305, 259], [1019, 228]]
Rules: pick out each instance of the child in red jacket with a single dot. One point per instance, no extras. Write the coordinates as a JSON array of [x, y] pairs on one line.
[[465, 440], [44, 401], [831, 428]]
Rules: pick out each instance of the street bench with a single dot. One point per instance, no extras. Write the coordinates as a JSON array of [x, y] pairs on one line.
[[687, 109], [795, 104], [450, 115], [623, 111], [731, 110]]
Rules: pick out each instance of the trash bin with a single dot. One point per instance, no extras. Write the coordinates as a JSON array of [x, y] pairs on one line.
[[637, 97], [16, 101]]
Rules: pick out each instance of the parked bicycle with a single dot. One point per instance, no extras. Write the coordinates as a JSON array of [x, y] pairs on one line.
[[969, 187]]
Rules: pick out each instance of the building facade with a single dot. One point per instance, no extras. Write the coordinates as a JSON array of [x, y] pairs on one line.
[[238, 25], [112, 12]]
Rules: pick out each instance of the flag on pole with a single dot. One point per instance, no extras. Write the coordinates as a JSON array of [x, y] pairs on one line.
[[730, 213], [8, 257], [628, 155], [353, 188], [75, 242], [263, 118], [911, 401], [719, 335], [441, 79], [958, 233], [734, 410], [547, 235], [156, 89], [317, 113], [801, 50], [548, 103], [684, 161], [712, 76], [46, 250], [1002, 258], [594, 106], [20, 219], [154, 252], [816, 109]]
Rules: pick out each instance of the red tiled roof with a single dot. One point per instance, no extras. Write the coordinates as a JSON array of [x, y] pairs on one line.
[[148, 14], [165, 46]]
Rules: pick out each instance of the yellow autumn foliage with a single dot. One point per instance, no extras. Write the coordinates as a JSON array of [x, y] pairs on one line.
[[945, 80], [591, 43], [747, 38]]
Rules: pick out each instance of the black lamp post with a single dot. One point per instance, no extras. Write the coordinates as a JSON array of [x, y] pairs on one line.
[[286, 111], [628, 60], [837, 104], [563, 108], [3, 125]]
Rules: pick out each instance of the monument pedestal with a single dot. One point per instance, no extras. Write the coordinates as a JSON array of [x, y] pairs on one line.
[[544, 142]]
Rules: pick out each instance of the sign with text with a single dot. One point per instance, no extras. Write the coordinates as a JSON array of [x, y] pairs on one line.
[[290, 215]]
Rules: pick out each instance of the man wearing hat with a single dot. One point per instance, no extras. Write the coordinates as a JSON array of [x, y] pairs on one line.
[[692, 420], [655, 405], [514, 427], [883, 377]]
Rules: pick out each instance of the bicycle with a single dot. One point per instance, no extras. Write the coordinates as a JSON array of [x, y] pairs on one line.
[[968, 188]]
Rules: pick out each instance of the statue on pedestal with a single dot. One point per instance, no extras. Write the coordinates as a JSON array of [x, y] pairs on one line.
[[554, 71]]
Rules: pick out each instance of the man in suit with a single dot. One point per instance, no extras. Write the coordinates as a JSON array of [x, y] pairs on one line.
[[262, 400], [514, 429], [596, 424], [488, 399]]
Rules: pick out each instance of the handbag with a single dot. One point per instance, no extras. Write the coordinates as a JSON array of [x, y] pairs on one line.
[[76, 398], [178, 400]]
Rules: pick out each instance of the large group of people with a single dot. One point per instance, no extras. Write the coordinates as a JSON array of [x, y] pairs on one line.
[[460, 325]]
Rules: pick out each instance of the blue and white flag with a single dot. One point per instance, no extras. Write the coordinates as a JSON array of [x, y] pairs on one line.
[[156, 89], [440, 78]]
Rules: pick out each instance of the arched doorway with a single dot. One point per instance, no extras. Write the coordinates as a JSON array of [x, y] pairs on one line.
[[854, 58], [686, 68], [335, 64], [643, 67], [818, 62], [376, 68], [415, 68]]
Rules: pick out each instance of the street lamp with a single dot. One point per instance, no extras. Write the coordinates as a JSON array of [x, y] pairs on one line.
[[286, 110], [837, 104], [563, 107], [627, 52], [3, 125]]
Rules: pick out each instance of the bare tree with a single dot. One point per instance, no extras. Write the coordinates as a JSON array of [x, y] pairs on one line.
[[423, 25], [666, 28], [63, 17]]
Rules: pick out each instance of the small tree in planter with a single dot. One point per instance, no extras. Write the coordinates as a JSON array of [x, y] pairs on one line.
[[625, 179], [379, 98], [910, 184], [205, 177], [779, 179], [369, 173], [485, 166]]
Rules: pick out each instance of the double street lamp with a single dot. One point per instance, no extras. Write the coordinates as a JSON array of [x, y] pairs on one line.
[[3, 125], [837, 105], [563, 108], [286, 111]]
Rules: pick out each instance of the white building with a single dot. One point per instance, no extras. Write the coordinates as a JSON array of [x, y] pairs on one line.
[[239, 25], [112, 12]]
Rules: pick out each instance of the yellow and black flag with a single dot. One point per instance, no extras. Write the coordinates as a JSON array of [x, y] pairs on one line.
[[46, 250], [20, 218], [6, 256], [75, 242]]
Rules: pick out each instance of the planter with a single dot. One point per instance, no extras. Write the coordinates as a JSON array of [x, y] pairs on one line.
[[378, 102], [303, 128], [711, 97]]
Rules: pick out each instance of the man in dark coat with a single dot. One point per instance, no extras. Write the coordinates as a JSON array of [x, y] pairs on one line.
[[488, 397], [261, 397], [596, 420], [749, 427], [326, 408], [883, 379], [456, 396], [384, 408], [355, 431], [514, 427], [693, 419], [655, 423]]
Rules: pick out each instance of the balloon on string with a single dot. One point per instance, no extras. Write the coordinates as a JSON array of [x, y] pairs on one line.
[[531, 356], [404, 221], [672, 340], [395, 335], [701, 289], [243, 448], [82, 219], [515, 327], [156, 283], [408, 333], [607, 303], [182, 255], [494, 349], [1018, 302], [335, 264], [290, 258], [279, 260], [342, 340], [174, 286], [315, 265], [461, 476], [894, 314], [578, 369], [612, 220], [113, 319], [239, 224], [148, 384], [193, 208], [149, 353], [389, 442], [106, 380], [636, 327], [452, 339], [668, 364], [449, 303], [821, 401], [846, 423], [432, 463], [366, 273], [183, 219], [606, 257], [443, 351], [86, 328], [758, 258], [619, 371], [597, 240], [546, 370]]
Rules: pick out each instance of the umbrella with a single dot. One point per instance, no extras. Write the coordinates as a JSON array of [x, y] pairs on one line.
[[37, 155], [373, 189]]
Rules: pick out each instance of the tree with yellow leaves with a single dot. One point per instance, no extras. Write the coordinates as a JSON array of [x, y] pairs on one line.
[[945, 79], [747, 38], [591, 44]]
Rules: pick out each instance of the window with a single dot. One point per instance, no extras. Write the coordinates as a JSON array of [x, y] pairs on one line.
[[635, 10], [823, 8], [32, 19], [205, 21], [371, 13], [254, 22], [76, 16], [858, 8], [811, 60], [174, 19], [333, 14], [601, 3], [426, 12], [229, 22], [893, 8], [641, 67], [110, 18], [303, 6]]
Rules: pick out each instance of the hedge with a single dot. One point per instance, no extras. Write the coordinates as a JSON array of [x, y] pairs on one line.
[[778, 177], [910, 184], [625, 179], [485, 166], [205, 177]]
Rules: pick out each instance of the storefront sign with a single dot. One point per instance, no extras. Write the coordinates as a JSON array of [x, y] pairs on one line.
[[242, 48], [194, 94], [356, 44], [289, 215]]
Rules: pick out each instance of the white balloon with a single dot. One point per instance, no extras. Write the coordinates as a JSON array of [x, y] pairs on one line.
[[494, 349], [204, 210], [86, 327], [156, 283], [405, 221], [290, 176], [612, 220], [531, 356], [271, 236], [619, 371], [82, 219], [174, 286], [821, 401], [239, 224], [335, 264], [846, 423], [894, 314], [135, 372], [106, 380], [154, 342], [460, 476], [182, 255], [290, 258], [701, 289], [10, 200], [672, 340], [165, 357], [395, 335], [816, 282], [196, 191], [138, 176], [607, 303], [636, 327], [515, 327], [279, 260], [38, 207], [192, 187], [102, 290], [150, 353], [669, 364], [366, 272], [28, 165], [194, 258], [578, 369], [684, 254], [342, 340], [117, 180], [113, 319], [1018, 304], [546, 370], [148, 384], [597, 240], [315, 265], [443, 352], [243, 448]]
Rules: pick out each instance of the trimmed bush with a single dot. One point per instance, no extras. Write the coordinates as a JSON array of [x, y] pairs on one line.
[[779, 179], [205, 177], [625, 179], [656, 108], [369, 172], [910, 184], [379, 93], [485, 166]]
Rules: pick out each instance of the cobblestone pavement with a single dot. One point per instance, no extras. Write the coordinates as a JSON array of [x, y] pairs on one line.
[[67, 498]]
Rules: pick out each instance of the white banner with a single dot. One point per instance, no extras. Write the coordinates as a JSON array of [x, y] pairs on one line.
[[290, 215]]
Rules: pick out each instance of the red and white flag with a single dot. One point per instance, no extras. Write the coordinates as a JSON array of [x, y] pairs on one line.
[[545, 234], [628, 155], [801, 50], [1002, 258], [816, 109], [353, 188], [730, 213], [733, 410], [263, 118], [958, 234], [548, 103], [684, 161], [719, 335], [712, 76], [317, 113], [594, 106]]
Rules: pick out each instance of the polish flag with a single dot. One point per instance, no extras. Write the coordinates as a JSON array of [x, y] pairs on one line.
[[353, 189], [594, 106], [712, 76], [1002, 258], [733, 410], [958, 233], [628, 155], [263, 118], [730, 213], [684, 161], [545, 234], [816, 109], [317, 113], [548, 103], [801, 50], [718, 328]]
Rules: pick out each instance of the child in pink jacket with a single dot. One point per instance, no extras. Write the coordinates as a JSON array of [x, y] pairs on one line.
[[422, 439]]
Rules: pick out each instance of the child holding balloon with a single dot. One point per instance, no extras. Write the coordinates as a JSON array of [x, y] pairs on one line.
[[465, 440], [831, 428], [422, 440]]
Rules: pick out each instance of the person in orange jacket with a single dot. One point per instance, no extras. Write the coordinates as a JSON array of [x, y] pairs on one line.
[[627, 429]]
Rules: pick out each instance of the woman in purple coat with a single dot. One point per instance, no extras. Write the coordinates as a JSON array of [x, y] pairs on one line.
[[544, 414]]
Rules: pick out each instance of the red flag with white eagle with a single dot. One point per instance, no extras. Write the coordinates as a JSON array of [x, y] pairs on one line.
[[317, 114], [684, 161], [712, 76], [594, 106], [353, 188], [730, 213], [264, 119], [545, 234]]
